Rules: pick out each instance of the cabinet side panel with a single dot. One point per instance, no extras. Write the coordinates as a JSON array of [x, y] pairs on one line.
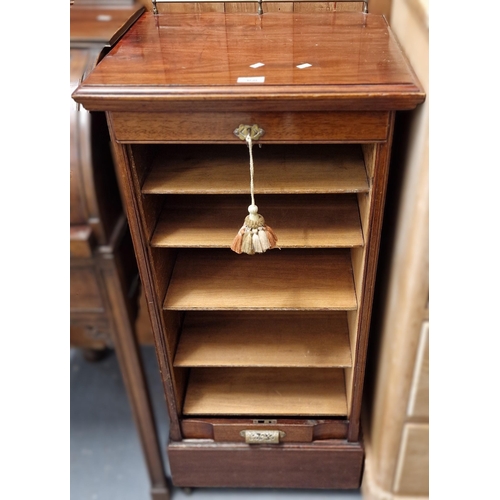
[[173, 324], [358, 256], [131, 193], [150, 207], [381, 159]]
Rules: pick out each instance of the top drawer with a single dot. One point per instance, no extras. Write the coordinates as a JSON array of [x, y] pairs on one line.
[[283, 127]]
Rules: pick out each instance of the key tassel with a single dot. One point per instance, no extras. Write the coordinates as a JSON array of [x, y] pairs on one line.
[[255, 236]]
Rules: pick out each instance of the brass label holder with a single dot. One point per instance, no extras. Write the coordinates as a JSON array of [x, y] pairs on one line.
[[262, 437]]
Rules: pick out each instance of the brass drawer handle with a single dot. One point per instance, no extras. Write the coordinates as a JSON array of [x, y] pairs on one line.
[[259, 437]]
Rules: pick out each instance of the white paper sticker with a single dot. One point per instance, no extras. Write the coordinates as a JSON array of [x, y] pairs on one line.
[[257, 65], [305, 65], [104, 17], [251, 79]]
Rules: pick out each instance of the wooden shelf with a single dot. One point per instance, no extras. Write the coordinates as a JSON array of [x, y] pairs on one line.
[[278, 279], [265, 339], [279, 169], [301, 221], [266, 391]]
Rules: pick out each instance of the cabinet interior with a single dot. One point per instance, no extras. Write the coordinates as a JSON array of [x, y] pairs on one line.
[[271, 334]]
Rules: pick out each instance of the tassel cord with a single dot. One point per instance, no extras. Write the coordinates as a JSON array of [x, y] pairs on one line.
[[255, 236], [248, 138]]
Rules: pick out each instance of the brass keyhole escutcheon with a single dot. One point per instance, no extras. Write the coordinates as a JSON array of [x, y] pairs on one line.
[[243, 131]]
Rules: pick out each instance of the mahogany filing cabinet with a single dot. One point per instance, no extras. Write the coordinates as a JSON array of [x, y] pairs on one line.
[[262, 356]]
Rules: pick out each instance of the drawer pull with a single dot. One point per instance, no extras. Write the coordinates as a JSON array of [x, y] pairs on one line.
[[260, 437]]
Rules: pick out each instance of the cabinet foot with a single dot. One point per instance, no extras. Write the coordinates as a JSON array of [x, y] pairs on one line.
[[160, 494], [95, 355]]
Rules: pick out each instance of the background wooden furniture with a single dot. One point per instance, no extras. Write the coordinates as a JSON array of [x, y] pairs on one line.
[[323, 167], [397, 409], [104, 281], [98, 227]]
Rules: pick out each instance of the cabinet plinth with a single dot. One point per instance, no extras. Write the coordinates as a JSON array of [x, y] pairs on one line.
[[271, 345]]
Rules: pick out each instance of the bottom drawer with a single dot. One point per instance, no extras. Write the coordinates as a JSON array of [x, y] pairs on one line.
[[327, 465]]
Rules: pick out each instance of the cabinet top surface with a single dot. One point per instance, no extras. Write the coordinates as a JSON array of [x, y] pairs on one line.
[[341, 55]]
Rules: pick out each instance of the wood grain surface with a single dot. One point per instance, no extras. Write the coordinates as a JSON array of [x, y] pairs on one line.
[[215, 49], [353, 58], [224, 169], [320, 221], [297, 430], [207, 123], [94, 23], [279, 279], [335, 464], [190, 79], [264, 339], [265, 391]]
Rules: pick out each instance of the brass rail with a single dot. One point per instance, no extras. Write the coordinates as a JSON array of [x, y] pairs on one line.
[[260, 11]]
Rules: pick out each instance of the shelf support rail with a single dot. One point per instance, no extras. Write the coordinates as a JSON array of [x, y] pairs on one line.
[[259, 2]]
